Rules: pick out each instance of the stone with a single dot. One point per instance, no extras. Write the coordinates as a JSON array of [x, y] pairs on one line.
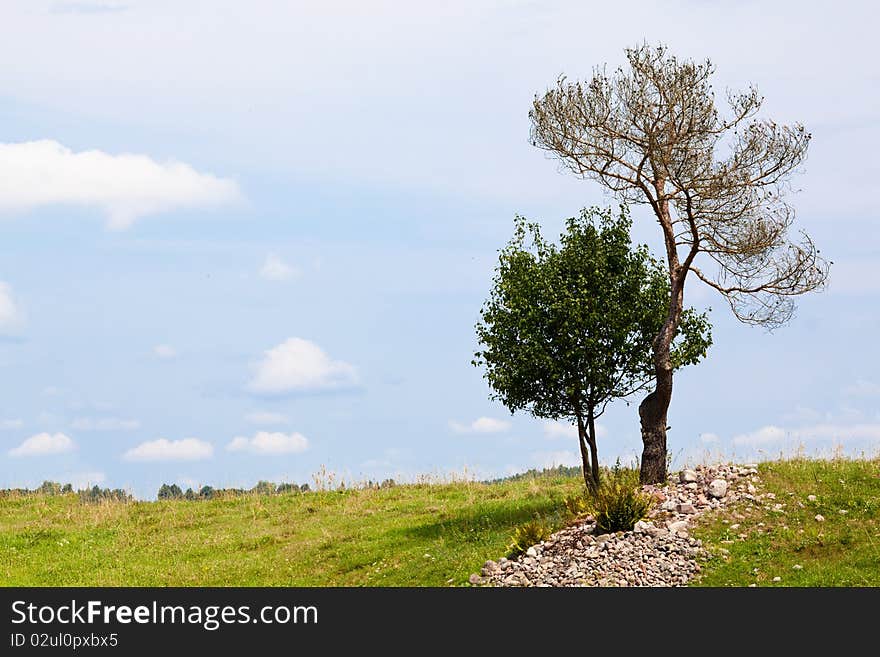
[[475, 579], [687, 476], [777, 579], [532, 552], [797, 566], [811, 498], [658, 551], [679, 526], [490, 568], [641, 527], [820, 517], [717, 488]]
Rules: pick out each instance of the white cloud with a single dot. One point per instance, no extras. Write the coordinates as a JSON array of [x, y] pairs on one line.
[[820, 432], [164, 351], [709, 438], [125, 187], [480, 425], [187, 449], [557, 429], [104, 424], [275, 269], [265, 417], [11, 424], [553, 459], [264, 442], [12, 318], [297, 365], [862, 388], [43, 444]]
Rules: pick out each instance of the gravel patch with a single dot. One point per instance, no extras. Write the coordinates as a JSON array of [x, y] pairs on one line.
[[658, 552]]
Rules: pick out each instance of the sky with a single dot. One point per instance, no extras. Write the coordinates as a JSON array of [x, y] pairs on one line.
[[252, 242]]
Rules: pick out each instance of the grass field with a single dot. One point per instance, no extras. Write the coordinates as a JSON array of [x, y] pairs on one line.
[[783, 538], [422, 535], [417, 535]]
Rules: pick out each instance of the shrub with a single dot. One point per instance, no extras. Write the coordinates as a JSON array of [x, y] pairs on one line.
[[619, 503], [527, 535], [576, 505]]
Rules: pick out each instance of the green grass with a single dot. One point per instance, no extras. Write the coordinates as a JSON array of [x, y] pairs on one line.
[[423, 535], [844, 550], [416, 535]]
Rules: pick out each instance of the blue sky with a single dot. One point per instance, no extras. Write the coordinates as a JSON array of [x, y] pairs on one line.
[[248, 244]]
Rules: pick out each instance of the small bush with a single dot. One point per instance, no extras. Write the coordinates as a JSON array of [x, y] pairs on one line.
[[576, 505], [619, 503], [527, 535]]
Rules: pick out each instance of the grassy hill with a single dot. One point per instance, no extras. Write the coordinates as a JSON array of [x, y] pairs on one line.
[[422, 535]]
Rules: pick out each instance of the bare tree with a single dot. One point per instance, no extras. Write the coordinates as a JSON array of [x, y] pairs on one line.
[[716, 185]]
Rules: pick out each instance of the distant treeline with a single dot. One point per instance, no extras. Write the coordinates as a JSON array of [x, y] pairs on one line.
[[93, 494], [558, 471], [175, 492]]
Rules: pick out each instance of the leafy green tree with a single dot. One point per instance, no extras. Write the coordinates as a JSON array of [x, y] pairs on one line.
[[172, 492], [569, 328]]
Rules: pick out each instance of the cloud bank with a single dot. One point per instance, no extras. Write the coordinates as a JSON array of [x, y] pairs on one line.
[[480, 425], [11, 316], [275, 269], [269, 443], [44, 444], [125, 187], [297, 365], [186, 449]]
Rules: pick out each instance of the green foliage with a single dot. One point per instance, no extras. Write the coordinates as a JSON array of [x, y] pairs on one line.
[[576, 505], [172, 492], [534, 473], [264, 488], [568, 328], [576, 321], [528, 534], [619, 503]]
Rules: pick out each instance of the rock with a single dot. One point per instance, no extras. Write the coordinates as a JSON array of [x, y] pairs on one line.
[[820, 517], [811, 498], [490, 568], [717, 488], [475, 579], [687, 476], [797, 566], [658, 552], [777, 579]]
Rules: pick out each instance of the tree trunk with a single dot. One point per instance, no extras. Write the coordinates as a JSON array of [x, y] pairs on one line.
[[652, 410], [591, 479], [591, 439], [652, 413]]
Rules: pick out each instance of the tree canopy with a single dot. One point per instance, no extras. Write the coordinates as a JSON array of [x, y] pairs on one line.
[[716, 184], [568, 328]]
